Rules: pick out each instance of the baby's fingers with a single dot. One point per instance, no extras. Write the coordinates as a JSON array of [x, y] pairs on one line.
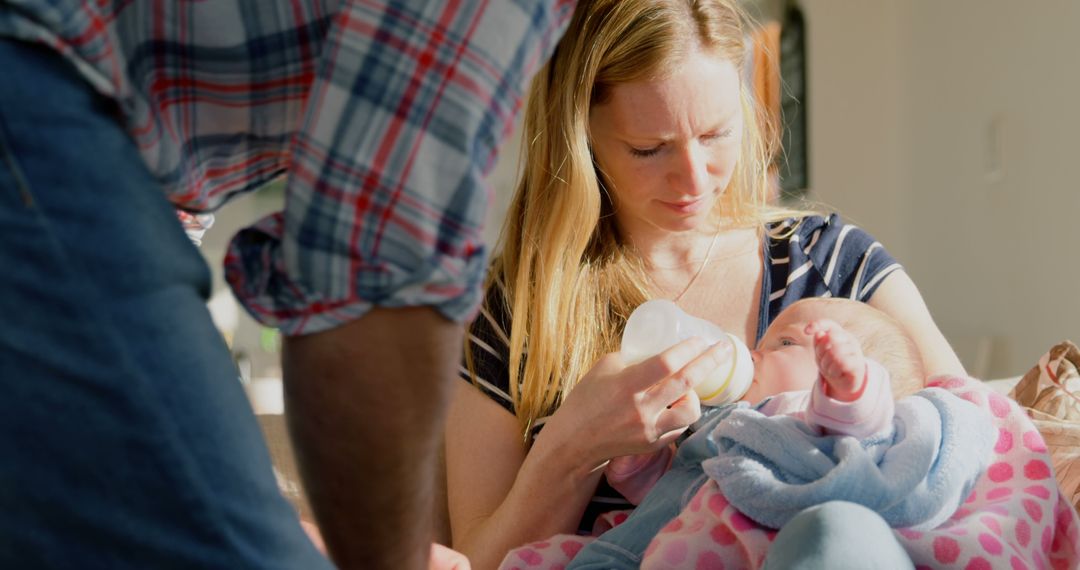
[[825, 329], [843, 368]]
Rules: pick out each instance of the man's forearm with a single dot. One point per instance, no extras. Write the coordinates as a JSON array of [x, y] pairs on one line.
[[365, 405]]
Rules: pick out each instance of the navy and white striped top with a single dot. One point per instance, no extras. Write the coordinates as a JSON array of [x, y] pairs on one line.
[[824, 257]]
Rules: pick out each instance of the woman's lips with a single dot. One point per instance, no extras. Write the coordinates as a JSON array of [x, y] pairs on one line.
[[685, 207]]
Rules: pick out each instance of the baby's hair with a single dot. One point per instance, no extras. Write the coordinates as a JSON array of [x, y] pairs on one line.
[[881, 338]]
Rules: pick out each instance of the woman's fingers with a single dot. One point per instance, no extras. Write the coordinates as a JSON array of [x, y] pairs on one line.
[[704, 364], [667, 364], [672, 420], [678, 404], [660, 388]]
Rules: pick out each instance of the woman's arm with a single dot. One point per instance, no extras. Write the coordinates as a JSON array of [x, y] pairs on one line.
[[900, 298], [499, 498]]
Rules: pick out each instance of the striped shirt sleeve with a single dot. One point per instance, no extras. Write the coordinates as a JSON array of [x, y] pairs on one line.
[[850, 262], [823, 257], [489, 346]]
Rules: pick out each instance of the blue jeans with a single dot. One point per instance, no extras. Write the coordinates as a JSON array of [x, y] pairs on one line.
[[126, 440], [623, 546], [837, 535]]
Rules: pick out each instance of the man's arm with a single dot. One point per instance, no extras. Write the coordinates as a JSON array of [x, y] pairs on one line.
[[385, 204], [365, 404]]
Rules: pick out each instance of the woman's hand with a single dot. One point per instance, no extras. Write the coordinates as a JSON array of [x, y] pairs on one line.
[[617, 409], [501, 497]]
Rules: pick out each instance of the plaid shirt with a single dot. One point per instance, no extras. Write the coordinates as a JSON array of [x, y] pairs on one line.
[[385, 115]]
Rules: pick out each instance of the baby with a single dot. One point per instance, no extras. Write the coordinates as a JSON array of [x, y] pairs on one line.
[[835, 363], [837, 457], [820, 442]]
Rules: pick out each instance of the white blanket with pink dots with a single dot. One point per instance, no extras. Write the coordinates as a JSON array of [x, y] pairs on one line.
[[1015, 518]]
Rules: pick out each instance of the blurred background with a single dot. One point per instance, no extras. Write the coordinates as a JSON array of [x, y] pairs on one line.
[[947, 129]]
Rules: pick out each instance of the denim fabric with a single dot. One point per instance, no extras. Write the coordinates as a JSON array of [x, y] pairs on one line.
[[624, 545], [125, 437], [837, 535]]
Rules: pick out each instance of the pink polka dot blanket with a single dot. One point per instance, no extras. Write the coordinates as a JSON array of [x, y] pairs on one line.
[[1015, 517]]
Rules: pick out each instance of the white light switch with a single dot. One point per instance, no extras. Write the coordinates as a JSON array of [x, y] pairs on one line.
[[994, 149]]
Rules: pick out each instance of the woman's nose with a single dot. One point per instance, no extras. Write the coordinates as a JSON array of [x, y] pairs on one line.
[[691, 171]]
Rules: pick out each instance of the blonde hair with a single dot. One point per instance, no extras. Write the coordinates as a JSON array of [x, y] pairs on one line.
[[880, 337], [568, 292]]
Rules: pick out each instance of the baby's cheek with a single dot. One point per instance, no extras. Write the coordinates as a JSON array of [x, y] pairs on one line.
[[753, 393]]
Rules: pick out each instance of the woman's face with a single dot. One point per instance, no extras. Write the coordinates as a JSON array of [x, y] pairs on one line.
[[668, 147]]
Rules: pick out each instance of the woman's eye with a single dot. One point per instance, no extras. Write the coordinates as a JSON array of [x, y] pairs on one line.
[[643, 152], [713, 137]]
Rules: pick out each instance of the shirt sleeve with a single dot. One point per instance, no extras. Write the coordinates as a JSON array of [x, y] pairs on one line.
[[489, 346], [867, 415], [386, 199], [195, 225], [822, 257], [635, 475], [850, 261]]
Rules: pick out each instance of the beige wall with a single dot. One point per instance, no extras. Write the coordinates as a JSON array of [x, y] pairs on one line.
[[1022, 231], [959, 152], [856, 147]]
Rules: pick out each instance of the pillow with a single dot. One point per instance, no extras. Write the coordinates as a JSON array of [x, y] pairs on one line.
[[1050, 393]]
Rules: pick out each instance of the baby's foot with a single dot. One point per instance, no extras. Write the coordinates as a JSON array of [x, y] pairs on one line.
[[840, 360]]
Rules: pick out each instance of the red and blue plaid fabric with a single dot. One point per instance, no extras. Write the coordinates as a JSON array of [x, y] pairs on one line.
[[385, 116]]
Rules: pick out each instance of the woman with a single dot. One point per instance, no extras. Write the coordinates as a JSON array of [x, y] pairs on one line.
[[645, 177]]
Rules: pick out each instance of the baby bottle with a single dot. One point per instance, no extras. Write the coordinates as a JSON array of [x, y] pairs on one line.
[[659, 324]]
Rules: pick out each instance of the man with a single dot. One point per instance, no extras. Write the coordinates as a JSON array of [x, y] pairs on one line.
[[126, 440]]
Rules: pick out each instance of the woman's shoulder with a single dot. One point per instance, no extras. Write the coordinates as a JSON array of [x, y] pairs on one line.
[[489, 345], [817, 238], [815, 254], [800, 229]]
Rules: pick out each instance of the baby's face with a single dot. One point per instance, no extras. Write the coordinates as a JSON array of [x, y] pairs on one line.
[[784, 359]]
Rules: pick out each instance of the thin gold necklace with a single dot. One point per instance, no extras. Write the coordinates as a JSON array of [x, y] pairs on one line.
[[704, 262]]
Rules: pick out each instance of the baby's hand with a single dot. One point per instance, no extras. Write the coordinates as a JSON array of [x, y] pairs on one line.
[[840, 360]]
